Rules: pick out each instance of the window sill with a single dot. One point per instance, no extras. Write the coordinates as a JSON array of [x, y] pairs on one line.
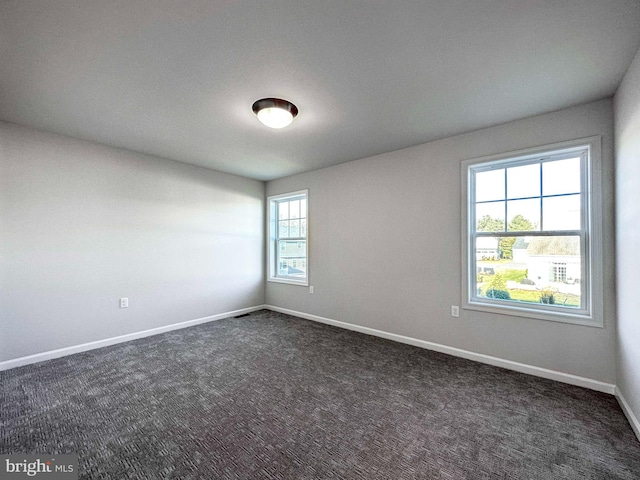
[[290, 281], [577, 318]]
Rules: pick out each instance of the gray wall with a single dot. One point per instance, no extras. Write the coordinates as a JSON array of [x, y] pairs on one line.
[[627, 137], [82, 225], [385, 236]]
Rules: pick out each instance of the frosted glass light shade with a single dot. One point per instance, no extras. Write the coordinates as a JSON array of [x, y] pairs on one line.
[[275, 117], [275, 112]]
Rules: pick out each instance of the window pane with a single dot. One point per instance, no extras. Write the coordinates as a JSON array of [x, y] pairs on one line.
[[303, 228], [283, 210], [294, 228], [303, 208], [490, 217], [490, 185], [292, 253], [523, 215], [562, 176], [523, 181], [487, 248], [541, 270], [294, 209], [283, 229], [561, 213]]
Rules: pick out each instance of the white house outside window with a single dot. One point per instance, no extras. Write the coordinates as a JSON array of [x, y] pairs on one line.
[[531, 233], [287, 254]]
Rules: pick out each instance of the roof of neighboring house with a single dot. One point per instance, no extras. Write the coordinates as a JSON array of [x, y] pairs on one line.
[[554, 246], [486, 243]]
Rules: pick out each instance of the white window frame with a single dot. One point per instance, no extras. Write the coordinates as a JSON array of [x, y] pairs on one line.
[[591, 237], [272, 243]]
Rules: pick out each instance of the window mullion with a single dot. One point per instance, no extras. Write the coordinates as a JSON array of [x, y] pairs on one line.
[[531, 233], [541, 217], [506, 220]]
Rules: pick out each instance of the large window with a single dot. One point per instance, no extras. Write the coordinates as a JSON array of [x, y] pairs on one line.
[[532, 233], [288, 238]]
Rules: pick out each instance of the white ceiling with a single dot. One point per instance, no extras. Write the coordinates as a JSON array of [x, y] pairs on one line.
[[177, 78]]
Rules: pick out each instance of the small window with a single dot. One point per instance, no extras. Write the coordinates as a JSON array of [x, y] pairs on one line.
[[529, 233], [288, 238], [559, 274]]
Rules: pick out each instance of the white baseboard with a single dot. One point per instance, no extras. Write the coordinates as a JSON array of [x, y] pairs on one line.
[[61, 352], [457, 352], [478, 357], [633, 420]]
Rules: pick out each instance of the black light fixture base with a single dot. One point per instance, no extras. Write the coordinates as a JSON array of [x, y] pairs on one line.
[[275, 103]]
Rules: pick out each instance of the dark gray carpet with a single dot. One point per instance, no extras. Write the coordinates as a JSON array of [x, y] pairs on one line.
[[271, 396]]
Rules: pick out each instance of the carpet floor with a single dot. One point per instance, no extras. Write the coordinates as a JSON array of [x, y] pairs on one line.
[[270, 396]]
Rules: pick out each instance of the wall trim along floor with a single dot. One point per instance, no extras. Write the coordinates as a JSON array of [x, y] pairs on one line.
[[633, 420], [61, 352], [458, 352]]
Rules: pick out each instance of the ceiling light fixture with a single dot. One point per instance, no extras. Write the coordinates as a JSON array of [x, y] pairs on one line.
[[275, 112]]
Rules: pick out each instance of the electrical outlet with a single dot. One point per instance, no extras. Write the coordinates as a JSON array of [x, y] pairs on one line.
[[311, 289], [124, 302], [455, 311]]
